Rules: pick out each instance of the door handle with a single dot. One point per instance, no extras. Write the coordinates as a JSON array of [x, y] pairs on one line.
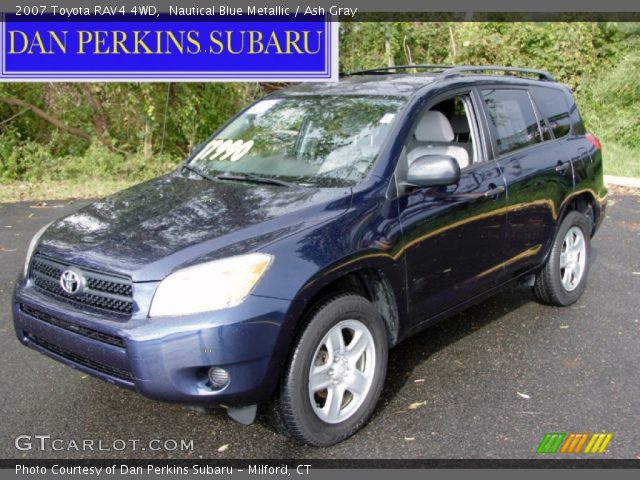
[[494, 191], [563, 167]]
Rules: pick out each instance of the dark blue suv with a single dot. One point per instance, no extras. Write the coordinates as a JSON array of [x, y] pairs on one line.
[[318, 228]]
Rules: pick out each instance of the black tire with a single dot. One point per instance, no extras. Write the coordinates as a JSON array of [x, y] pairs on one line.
[[548, 286], [292, 409]]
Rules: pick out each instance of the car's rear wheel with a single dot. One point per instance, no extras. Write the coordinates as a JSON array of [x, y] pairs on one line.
[[564, 276], [335, 373]]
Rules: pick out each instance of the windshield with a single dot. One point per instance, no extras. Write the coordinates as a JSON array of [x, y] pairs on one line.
[[315, 140]]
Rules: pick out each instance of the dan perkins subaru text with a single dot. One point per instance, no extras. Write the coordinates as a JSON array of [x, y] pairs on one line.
[[165, 42]]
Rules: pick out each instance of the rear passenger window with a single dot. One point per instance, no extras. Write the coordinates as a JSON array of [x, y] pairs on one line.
[[553, 106], [513, 119]]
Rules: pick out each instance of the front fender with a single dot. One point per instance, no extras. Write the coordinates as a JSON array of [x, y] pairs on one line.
[[365, 239]]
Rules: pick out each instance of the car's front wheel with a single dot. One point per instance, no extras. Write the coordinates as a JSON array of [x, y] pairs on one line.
[[564, 276], [335, 373]]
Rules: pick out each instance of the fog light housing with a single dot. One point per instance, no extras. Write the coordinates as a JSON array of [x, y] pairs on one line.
[[218, 377]]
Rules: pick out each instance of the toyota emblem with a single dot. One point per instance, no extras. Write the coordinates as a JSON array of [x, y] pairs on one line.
[[70, 282]]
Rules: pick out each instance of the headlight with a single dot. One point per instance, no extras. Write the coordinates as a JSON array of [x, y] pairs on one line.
[[209, 286], [32, 247]]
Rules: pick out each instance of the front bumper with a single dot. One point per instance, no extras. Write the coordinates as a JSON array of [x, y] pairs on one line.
[[163, 358]]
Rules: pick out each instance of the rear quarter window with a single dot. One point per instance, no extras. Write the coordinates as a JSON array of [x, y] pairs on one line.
[[512, 119], [554, 108]]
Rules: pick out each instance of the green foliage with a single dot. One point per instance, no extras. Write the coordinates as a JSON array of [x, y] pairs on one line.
[[621, 160], [103, 163], [368, 44], [32, 161], [134, 131], [568, 49], [612, 103], [22, 160]]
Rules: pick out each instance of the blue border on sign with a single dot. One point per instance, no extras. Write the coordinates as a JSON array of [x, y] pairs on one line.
[[326, 73]]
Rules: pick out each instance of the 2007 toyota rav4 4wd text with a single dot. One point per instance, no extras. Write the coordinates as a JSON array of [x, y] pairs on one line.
[[317, 229]]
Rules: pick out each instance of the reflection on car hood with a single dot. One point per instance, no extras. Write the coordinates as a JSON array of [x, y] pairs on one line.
[[151, 229]]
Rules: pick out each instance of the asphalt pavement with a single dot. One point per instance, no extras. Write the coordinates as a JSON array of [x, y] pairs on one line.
[[487, 383]]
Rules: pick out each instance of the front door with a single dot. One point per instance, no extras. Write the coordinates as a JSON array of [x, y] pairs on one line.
[[453, 237]]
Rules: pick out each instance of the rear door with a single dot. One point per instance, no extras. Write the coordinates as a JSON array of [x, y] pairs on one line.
[[556, 107], [537, 170]]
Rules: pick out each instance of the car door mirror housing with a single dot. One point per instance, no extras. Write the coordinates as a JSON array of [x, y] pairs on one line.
[[433, 171]]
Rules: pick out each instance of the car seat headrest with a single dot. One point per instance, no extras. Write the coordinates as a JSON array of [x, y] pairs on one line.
[[434, 127]]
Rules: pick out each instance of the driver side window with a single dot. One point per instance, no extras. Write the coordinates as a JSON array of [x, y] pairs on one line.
[[445, 129]]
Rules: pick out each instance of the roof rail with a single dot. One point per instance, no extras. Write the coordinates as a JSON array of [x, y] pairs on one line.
[[455, 71], [395, 68]]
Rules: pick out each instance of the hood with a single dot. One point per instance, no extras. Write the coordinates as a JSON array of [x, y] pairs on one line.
[[152, 229]]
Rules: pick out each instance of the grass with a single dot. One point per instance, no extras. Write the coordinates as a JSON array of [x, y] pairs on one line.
[[61, 189], [620, 160]]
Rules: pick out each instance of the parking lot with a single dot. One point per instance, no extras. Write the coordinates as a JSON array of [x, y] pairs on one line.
[[488, 383]]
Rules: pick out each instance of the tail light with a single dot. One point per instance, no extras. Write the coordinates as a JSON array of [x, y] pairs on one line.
[[593, 140]]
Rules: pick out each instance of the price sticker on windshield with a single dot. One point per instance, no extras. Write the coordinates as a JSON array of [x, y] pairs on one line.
[[219, 149]]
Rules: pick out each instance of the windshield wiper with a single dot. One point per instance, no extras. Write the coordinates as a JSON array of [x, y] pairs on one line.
[[255, 179], [197, 171], [239, 178]]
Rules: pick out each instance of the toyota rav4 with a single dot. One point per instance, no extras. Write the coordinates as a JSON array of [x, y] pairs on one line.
[[314, 231]]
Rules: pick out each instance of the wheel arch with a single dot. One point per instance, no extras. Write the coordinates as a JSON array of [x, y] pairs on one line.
[[373, 282], [583, 201], [379, 280]]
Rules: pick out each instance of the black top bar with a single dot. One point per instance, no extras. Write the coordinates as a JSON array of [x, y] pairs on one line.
[[383, 70], [452, 72], [449, 71]]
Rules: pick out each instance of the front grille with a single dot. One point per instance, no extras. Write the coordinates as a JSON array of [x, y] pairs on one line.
[[74, 327], [79, 359], [104, 292]]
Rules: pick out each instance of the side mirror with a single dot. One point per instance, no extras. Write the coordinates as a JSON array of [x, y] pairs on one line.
[[433, 171]]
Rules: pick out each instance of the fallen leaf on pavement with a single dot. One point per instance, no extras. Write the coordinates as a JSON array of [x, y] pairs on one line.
[[223, 447], [416, 405], [524, 395]]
